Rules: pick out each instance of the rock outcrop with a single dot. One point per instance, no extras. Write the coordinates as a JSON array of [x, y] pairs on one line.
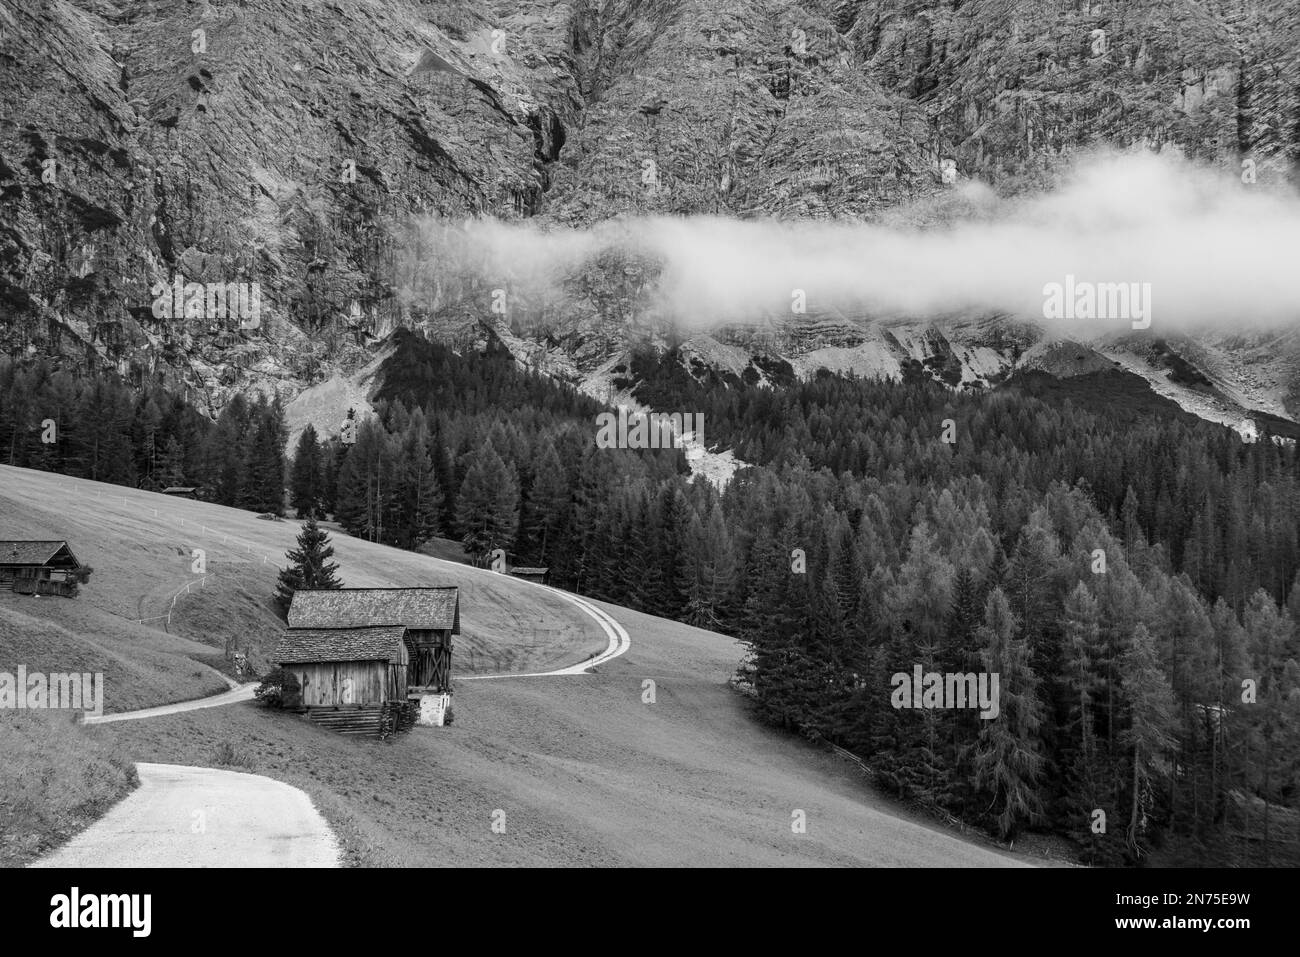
[[304, 147]]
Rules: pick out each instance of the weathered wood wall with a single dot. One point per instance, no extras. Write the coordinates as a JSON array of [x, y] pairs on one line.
[[43, 586], [24, 573], [431, 666], [332, 683]]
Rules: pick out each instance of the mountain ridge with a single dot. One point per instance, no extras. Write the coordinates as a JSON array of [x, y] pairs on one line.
[[302, 148]]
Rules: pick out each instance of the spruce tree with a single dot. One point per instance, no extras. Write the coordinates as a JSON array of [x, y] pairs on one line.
[[488, 504], [417, 502], [171, 469], [548, 502], [366, 483], [305, 485], [310, 568], [262, 485], [708, 571]]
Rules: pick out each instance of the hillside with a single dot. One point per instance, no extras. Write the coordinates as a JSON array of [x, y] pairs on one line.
[[142, 559], [985, 313], [587, 772]]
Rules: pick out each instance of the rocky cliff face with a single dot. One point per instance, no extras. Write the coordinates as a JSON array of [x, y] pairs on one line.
[[1013, 86], [268, 141], [304, 147]]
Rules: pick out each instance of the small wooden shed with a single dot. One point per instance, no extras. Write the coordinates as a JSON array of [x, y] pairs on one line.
[[426, 619], [347, 666], [31, 561], [182, 491]]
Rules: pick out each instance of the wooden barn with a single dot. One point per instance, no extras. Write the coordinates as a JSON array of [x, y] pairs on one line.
[[367, 647], [347, 666], [38, 567]]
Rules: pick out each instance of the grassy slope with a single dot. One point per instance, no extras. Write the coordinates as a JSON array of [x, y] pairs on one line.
[[141, 559], [54, 781], [585, 771], [56, 778]]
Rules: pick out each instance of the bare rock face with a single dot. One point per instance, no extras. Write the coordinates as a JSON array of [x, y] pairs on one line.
[[157, 154], [737, 107], [265, 141], [1016, 86]]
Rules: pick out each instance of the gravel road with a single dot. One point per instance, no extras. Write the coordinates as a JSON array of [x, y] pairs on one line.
[[203, 817]]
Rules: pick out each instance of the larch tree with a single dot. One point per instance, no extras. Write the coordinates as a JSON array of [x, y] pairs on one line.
[[1007, 761], [1149, 736]]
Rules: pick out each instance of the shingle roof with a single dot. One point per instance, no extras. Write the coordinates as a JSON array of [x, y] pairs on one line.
[[419, 608], [33, 553], [340, 644], [529, 571]]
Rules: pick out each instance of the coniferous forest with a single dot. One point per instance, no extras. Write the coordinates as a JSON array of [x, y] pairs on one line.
[[1130, 577]]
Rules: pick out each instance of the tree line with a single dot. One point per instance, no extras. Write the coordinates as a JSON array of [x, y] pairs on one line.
[[1131, 579], [97, 427]]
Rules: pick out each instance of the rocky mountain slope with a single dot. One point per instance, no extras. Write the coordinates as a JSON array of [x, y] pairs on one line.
[[331, 152]]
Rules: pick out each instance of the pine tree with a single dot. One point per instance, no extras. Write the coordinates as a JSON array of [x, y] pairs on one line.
[[667, 545], [960, 653], [1149, 735], [1230, 663], [1007, 759], [546, 510], [417, 501], [306, 489], [1081, 748], [1269, 636], [488, 504], [310, 568], [262, 485], [1185, 642], [225, 452], [171, 469], [1131, 523], [366, 483], [1028, 587], [708, 571], [965, 616]]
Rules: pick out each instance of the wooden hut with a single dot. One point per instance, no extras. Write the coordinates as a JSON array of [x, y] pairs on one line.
[[182, 491], [427, 618], [38, 567], [337, 667]]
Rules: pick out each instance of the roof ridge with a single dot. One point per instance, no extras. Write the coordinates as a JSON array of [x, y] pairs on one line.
[[376, 627], [387, 588]]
